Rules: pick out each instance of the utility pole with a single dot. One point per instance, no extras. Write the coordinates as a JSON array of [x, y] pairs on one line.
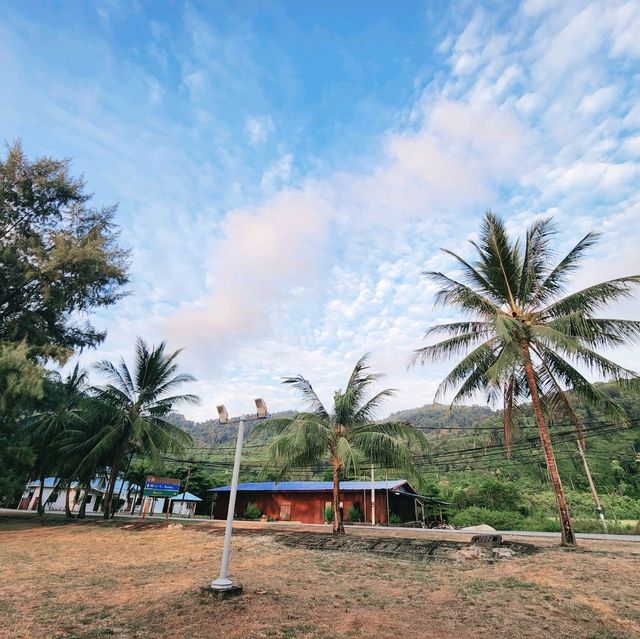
[[594, 492], [186, 485], [373, 497]]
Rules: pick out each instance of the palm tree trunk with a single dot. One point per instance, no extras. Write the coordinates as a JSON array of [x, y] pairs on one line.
[[67, 501], [338, 527], [82, 512], [113, 475], [125, 474], [40, 494], [568, 536]]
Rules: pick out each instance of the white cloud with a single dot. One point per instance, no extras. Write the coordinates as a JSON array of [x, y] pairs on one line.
[[278, 174], [598, 100], [258, 128]]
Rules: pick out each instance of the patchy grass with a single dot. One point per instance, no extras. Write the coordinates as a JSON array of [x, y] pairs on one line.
[[100, 580]]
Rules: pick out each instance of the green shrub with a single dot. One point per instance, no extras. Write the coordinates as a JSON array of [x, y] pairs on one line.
[[490, 494], [594, 526], [581, 505], [328, 514], [252, 512], [499, 519], [354, 513], [540, 523], [395, 519]]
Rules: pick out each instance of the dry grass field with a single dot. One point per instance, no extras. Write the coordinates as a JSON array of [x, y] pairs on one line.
[[93, 581]]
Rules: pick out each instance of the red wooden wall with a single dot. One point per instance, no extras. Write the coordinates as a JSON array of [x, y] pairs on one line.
[[306, 506]]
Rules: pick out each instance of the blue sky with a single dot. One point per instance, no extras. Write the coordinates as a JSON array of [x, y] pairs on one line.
[[285, 171]]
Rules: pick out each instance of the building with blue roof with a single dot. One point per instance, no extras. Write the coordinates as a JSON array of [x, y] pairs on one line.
[[184, 504], [308, 501], [54, 494]]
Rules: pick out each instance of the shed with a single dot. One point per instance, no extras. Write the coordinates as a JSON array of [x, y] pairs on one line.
[[184, 504]]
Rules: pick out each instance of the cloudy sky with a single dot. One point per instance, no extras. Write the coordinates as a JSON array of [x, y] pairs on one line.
[[286, 170]]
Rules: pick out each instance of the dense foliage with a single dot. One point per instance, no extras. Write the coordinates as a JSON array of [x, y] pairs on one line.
[[59, 260]]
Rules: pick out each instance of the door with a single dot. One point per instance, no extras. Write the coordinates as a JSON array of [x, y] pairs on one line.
[[285, 511]]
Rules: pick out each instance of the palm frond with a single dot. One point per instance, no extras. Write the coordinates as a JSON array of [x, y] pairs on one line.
[[303, 386], [592, 298], [556, 280], [453, 293]]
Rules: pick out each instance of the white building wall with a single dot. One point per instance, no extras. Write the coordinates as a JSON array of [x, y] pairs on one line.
[[182, 508]]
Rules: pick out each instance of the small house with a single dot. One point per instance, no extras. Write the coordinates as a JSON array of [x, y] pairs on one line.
[[184, 504], [307, 501]]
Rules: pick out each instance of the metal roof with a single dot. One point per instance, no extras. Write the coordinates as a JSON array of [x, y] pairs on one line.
[[98, 484], [300, 486], [186, 497], [49, 482]]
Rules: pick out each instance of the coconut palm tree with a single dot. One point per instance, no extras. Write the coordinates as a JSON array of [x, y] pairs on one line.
[[132, 407], [345, 436], [522, 327]]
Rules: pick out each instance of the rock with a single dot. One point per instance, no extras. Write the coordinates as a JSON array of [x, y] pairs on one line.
[[478, 528], [471, 553], [503, 553]]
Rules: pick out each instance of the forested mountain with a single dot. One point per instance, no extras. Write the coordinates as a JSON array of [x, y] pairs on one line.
[[211, 432], [467, 463], [430, 417], [434, 417]]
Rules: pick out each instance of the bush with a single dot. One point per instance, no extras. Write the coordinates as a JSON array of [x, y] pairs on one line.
[[581, 505], [490, 494], [328, 514], [499, 519], [252, 512], [395, 519], [354, 513]]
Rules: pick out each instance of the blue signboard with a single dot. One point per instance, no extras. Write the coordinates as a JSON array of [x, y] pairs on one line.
[[161, 487]]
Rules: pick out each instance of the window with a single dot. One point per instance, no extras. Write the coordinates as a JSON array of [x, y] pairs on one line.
[[88, 501]]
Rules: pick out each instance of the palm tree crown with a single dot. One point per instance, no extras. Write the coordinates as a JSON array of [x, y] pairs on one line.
[[345, 436], [525, 338], [133, 405], [515, 295]]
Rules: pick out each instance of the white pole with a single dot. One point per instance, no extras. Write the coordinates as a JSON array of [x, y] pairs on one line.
[[592, 486], [223, 582], [373, 497]]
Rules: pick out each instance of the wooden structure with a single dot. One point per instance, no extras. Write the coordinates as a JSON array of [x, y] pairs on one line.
[[305, 501]]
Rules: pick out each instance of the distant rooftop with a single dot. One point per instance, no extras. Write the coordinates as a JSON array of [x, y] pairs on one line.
[[186, 497], [299, 486]]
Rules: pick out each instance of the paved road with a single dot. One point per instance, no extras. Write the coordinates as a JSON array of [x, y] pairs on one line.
[[284, 525], [519, 533]]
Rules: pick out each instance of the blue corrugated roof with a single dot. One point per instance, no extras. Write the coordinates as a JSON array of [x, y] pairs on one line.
[[49, 482], [299, 486], [99, 484], [186, 497]]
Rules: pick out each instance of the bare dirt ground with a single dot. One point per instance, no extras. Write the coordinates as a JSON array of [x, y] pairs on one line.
[[93, 580]]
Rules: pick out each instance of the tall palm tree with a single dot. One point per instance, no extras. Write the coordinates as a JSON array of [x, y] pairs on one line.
[[523, 327], [345, 436], [132, 406]]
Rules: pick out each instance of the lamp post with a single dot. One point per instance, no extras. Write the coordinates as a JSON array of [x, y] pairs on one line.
[[223, 583]]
